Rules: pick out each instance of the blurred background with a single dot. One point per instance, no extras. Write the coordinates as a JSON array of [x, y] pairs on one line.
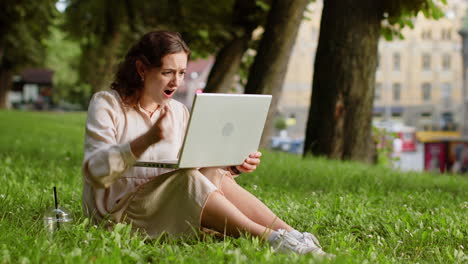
[[55, 54]]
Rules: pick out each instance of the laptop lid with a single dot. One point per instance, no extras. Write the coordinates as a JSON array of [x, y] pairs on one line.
[[223, 129]]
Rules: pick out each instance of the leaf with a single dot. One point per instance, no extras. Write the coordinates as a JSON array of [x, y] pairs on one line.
[[262, 4], [203, 33], [386, 33], [424, 236]]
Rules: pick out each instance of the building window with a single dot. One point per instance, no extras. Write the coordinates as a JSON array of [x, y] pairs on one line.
[[426, 62], [426, 34], [446, 94], [446, 34], [446, 61], [396, 61], [448, 121], [396, 92], [378, 91], [426, 91], [446, 90]]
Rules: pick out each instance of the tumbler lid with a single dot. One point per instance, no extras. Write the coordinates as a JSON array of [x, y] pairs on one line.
[[59, 214]]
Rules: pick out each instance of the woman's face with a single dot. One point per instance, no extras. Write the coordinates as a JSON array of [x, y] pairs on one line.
[[160, 83]]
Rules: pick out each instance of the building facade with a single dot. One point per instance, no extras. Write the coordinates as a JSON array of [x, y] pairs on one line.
[[32, 89], [419, 79]]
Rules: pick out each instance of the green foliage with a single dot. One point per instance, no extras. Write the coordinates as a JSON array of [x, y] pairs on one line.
[[280, 123], [400, 14], [105, 33], [363, 214], [23, 25], [264, 5], [63, 57], [204, 25], [207, 27], [95, 22], [384, 141]]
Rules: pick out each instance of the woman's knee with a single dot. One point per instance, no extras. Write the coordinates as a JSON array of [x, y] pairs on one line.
[[215, 175]]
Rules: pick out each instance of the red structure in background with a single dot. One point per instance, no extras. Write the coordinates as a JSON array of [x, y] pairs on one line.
[[408, 138], [446, 155], [435, 157]]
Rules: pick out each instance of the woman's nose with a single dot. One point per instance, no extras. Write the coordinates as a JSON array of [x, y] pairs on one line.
[[177, 81]]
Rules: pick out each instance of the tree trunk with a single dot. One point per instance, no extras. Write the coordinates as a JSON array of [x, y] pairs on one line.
[[2, 54], [267, 73], [227, 64], [5, 86], [340, 114], [229, 58]]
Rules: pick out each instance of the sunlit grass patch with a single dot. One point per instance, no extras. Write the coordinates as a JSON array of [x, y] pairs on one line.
[[364, 214]]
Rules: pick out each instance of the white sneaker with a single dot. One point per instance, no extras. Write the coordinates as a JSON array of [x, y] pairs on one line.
[[285, 242], [311, 241]]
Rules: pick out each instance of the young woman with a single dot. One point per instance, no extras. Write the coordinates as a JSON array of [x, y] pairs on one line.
[[137, 119]]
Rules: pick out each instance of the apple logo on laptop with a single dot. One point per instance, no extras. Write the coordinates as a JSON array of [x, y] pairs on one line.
[[227, 129]]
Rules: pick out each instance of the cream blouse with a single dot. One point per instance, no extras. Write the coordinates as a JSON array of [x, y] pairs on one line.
[[109, 178]]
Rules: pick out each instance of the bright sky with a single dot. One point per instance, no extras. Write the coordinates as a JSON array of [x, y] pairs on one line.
[[61, 5]]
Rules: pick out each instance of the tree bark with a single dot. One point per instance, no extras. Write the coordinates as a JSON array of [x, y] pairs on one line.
[[227, 64], [267, 73], [5, 79], [2, 54], [5, 86], [340, 114], [229, 58]]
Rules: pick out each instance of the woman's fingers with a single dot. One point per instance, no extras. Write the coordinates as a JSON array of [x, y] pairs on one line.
[[164, 125], [250, 164], [252, 161], [257, 155], [246, 167]]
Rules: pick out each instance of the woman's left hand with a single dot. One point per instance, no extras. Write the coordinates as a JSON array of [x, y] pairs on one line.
[[250, 163]]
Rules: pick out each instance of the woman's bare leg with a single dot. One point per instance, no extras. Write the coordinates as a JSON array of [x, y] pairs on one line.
[[251, 206], [220, 214]]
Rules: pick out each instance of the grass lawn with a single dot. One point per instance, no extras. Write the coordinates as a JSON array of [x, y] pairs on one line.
[[363, 214]]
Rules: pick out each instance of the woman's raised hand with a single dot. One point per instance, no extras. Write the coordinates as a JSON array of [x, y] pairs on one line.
[[250, 163], [163, 128]]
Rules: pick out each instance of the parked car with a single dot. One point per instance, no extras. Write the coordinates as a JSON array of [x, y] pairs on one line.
[[287, 144]]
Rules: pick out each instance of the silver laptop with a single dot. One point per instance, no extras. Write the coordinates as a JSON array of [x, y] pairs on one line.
[[223, 130]]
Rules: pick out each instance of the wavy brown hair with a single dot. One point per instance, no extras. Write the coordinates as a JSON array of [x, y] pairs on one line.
[[150, 49]]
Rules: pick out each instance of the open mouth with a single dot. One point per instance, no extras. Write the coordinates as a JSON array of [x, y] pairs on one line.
[[168, 92]]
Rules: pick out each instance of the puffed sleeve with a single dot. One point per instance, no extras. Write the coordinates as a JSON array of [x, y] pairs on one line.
[[105, 160]]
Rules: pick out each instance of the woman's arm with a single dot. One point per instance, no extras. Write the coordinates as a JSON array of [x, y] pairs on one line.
[[106, 160]]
